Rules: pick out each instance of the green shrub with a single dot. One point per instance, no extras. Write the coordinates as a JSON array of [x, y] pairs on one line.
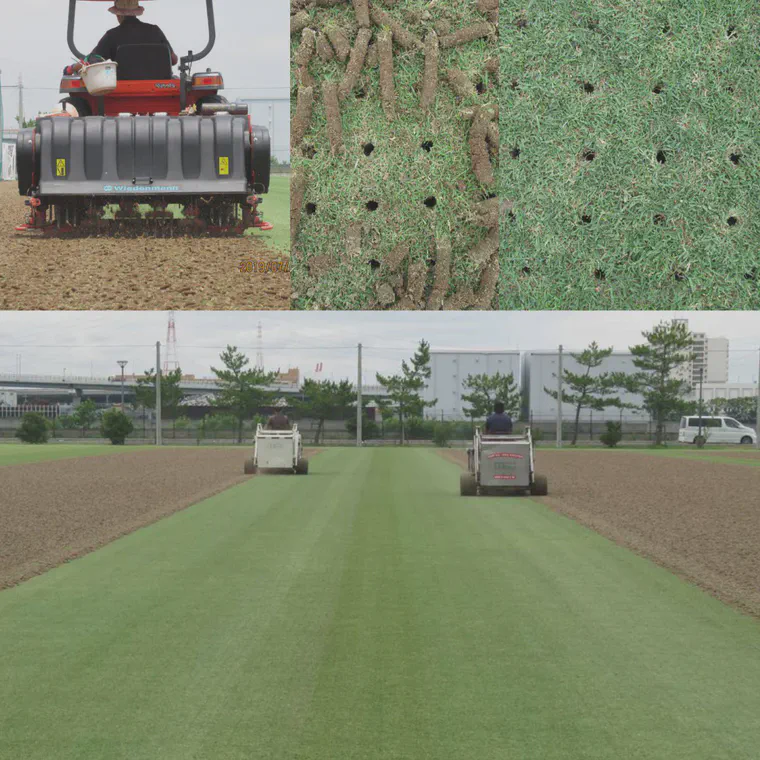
[[370, 429], [613, 435], [34, 428], [441, 434], [116, 426], [537, 434]]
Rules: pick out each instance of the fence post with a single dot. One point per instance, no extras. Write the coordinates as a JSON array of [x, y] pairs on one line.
[[757, 411], [559, 399], [159, 431]]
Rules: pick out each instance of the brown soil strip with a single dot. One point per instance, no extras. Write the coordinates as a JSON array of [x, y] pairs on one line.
[[493, 66], [489, 8], [387, 89], [354, 240], [463, 299], [489, 282], [321, 265], [396, 257], [332, 114], [339, 41], [442, 273], [56, 511], [481, 161], [430, 75], [385, 294], [460, 83], [298, 184], [492, 137], [361, 9], [467, 34], [131, 273], [402, 36], [485, 249], [355, 63], [415, 288], [302, 117], [698, 519]]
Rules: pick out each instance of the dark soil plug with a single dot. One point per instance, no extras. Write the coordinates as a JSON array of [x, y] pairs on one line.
[[732, 221], [586, 219], [374, 264], [589, 155], [431, 201], [480, 87], [658, 88], [661, 157], [588, 87], [368, 148], [427, 146], [526, 270], [372, 205], [311, 208], [735, 158]]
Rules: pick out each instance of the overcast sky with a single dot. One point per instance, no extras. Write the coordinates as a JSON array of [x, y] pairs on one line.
[[85, 343], [252, 48]]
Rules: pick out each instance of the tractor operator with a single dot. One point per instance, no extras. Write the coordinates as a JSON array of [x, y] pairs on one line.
[[131, 31], [278, 421], [498, 423]]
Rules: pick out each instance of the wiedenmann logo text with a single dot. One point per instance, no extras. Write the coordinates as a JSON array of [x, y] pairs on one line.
[[140, 189]]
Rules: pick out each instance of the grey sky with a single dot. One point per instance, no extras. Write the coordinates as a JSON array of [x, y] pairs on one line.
[[99, 339], [252, 49]]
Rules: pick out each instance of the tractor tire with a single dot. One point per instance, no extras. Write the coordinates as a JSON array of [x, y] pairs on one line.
[[250, 468], [540, 486], [302, 468], [468, 486], [746, 440]]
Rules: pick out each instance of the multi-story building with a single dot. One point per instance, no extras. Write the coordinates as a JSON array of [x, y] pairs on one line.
[[710, 362]]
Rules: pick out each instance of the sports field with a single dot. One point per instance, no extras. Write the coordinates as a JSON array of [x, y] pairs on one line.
[[630, 157], [369, 611]]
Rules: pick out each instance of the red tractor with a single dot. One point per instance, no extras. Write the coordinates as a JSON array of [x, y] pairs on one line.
[[172, 144]]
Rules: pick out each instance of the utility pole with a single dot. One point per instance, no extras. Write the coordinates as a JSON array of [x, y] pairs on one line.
[[21, 117], [122, 364], [559, 399], [699, 434], [359, 401], [159, 436], [757, 420]]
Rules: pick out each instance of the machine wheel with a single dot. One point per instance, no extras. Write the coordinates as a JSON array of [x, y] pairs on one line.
[[302, 467], [468, 485], [250, 468], [746, 440], [540, 486]]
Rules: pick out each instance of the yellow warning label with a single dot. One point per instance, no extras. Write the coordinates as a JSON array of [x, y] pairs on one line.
[[224, 165], [60, 167]]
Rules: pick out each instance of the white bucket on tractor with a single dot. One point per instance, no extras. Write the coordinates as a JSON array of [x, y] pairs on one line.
[[100, 78]]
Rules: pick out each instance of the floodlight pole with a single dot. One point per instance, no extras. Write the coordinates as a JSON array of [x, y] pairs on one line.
[[359, 401], [159, 432], [559, 399], [122, 364]]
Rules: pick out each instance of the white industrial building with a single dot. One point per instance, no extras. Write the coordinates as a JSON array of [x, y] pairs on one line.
[[712, 391], [450, 370], [710, 361], [540, 371]]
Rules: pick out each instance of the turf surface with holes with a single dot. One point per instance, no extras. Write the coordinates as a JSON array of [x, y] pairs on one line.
[[378, 176], [630, 149]]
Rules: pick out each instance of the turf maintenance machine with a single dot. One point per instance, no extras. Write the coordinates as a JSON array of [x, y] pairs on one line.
[[169, 144], [501, 464], [278, 451]]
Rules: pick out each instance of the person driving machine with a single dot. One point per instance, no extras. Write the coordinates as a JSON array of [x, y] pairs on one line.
[[278, 421], [131, 31], [498, 423]]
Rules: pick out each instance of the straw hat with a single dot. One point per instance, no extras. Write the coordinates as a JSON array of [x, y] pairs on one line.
[[127, 8]]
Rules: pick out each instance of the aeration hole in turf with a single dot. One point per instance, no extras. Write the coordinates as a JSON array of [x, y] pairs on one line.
[[431, 201], [515, 152], [661, 157], [372, 205], [311, 208], [588, 87], [599, 274], [368, 148], [658, 88], [732, 221], [427, 146], [589, 155], [374, 264], [659, 218], [586, 219], [735, 158]]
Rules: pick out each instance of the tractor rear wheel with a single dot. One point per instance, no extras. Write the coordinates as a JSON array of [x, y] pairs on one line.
[[468, 485], [250, 467], [302, 467], [539, 486]]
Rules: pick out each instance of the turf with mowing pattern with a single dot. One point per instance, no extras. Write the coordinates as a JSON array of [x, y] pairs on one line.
[[368, 611]]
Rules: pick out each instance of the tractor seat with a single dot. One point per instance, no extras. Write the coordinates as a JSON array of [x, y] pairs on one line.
[[144, 62]]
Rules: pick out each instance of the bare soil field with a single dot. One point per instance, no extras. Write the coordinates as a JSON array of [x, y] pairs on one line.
[[699, 519], [132, 273]]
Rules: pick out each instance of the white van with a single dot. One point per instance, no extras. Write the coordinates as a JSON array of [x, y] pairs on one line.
[[715, 430]]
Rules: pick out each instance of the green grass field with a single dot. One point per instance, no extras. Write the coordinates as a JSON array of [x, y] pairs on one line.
[[368, 611], [662, 95], [20, 453], [276, 209]]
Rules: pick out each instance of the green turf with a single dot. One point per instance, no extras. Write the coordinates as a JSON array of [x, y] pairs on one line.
[[276, 209], [626, 256], [21, 453], [398, 175], [368, 611]]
